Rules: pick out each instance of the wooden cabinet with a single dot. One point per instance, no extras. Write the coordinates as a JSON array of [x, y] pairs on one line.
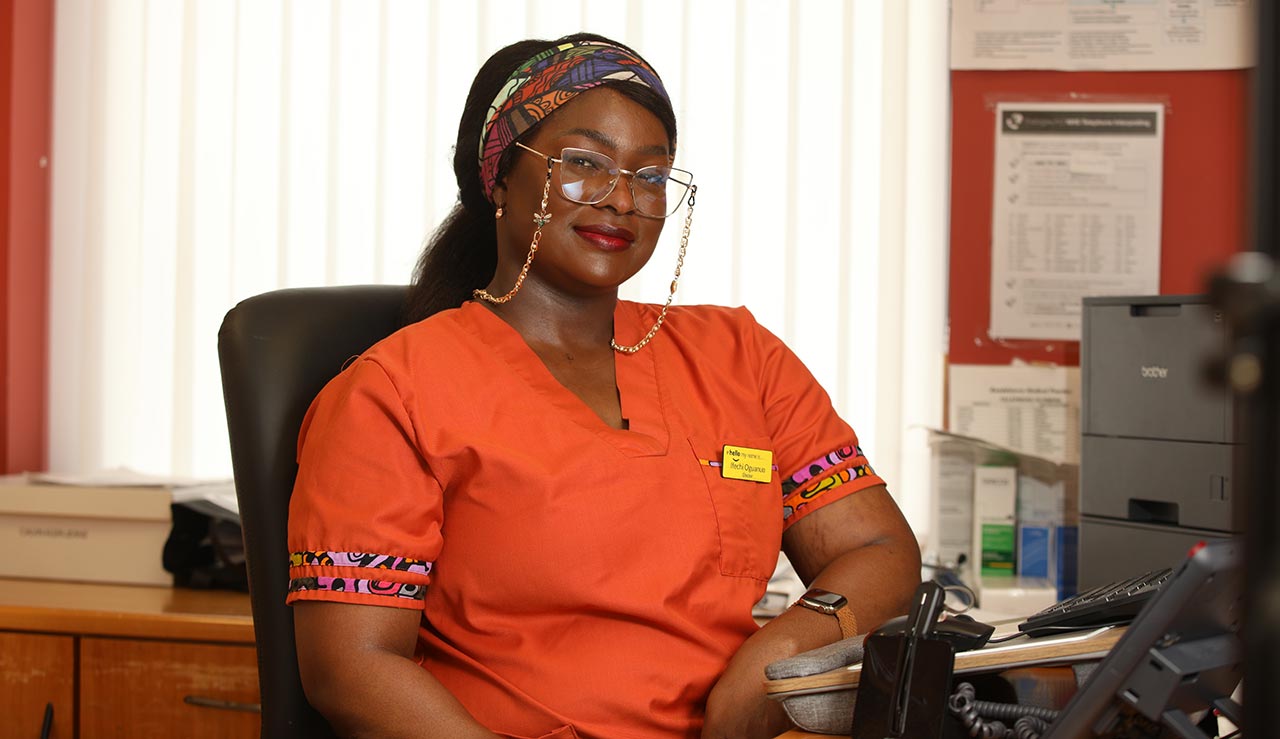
[[126, 661], [132, 688], [37, 674]]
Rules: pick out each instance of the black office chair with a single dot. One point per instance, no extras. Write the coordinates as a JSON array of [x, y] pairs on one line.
[[277, 350]]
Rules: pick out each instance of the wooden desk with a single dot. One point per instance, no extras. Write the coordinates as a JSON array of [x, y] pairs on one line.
[[1066, 649], [1080, 647], [126, 661]]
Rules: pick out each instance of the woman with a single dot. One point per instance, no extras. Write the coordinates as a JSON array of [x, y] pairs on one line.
[[548, 512]]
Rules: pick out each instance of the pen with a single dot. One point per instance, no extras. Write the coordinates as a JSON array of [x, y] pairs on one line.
[[47, 725]]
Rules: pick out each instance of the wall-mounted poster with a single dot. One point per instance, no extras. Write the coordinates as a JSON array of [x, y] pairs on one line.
[[1109, 35], [1076, 212]]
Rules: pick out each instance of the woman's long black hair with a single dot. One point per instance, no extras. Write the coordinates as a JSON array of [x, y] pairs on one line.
[[463, 253]]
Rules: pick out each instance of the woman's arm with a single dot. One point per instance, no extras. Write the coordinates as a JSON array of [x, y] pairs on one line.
[[860, 547], [358, 671]]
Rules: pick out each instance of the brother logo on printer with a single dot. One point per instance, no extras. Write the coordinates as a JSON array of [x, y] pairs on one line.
[[1155, 373]]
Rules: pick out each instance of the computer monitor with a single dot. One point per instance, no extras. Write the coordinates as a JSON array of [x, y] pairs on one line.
[[1181, 655]]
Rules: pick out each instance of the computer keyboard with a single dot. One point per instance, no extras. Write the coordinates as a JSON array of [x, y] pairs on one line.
[[1114, 603]]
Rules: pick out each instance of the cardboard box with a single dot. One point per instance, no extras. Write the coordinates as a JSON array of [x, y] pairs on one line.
[[99, 534], [1015, 597], [995, 508], [1047, 532], [972, 500], [952, 526]]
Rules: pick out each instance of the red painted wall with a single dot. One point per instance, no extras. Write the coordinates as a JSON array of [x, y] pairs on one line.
[[26, 94], [1205, 178], [6, 109]]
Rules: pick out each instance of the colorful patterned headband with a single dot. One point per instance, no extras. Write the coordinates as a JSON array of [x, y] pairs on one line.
[[544, 83]]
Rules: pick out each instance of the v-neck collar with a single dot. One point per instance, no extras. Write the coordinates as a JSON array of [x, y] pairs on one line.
[[639, 393]]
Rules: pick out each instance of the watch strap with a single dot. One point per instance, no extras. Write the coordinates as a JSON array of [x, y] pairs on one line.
[[848, 622]]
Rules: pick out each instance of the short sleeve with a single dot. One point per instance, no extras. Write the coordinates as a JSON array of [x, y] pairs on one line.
[[366, 512], [815, 451]]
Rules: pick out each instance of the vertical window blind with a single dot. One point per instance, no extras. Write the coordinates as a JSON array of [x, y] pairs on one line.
[[208, 151]]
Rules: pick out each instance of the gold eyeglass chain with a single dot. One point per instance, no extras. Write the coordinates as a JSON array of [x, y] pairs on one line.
[[540, 219], [684, 245]]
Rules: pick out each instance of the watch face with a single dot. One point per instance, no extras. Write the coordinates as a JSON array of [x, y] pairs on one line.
[[826, 598]]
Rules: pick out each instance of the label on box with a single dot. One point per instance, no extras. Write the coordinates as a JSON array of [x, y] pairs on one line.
[[997, 549], [1033, 551]]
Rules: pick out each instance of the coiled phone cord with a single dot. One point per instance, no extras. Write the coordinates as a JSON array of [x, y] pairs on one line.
[[1029, 721]]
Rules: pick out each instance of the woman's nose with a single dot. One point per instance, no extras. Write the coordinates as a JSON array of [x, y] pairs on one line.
[[621, 200]]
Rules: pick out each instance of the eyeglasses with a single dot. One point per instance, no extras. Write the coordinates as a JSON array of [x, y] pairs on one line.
[[588, 177]]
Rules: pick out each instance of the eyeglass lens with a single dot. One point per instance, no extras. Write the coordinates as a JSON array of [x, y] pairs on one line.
[[588, 177]]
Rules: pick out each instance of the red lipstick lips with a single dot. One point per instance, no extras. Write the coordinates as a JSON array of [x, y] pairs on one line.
[[609, 238]]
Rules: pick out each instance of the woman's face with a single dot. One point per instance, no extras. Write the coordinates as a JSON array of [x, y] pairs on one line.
[[584, 249]]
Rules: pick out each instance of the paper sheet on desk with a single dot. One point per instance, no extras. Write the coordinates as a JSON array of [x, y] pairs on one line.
[[214, 497]]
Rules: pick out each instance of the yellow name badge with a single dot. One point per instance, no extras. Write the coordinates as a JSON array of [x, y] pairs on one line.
[[745, 463]]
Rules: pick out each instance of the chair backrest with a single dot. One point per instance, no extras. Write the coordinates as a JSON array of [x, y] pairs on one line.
[[277, 350]]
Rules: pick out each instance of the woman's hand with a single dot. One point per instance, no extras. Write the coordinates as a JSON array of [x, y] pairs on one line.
[[737, 707]]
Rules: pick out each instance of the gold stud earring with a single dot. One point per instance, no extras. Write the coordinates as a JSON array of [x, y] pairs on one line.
[[498, 213]]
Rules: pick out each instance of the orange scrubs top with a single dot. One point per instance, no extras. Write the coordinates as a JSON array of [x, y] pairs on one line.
[[574, 579]]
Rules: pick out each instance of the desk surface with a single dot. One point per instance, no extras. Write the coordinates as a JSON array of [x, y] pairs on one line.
[[1077, 647], [125, 610]]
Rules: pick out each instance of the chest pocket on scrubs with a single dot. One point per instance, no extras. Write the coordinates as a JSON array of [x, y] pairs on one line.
[[748, 514]]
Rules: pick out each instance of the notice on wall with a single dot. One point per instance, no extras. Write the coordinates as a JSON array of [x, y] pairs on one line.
[[1076, 212], [1110, 35], [1028, 409]]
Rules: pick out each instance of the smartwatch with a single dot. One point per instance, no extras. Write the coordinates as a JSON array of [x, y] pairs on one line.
[[832, 604]]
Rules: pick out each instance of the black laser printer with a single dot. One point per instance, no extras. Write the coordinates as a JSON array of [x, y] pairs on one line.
[[1157, 441]]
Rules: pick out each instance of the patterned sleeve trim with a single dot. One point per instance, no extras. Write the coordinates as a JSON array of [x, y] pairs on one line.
[[352, 585], [819, 466], [319, 558], [811, 486]]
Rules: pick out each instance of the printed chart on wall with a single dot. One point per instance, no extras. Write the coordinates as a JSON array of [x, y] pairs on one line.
[[1112, 35], [1076, 211], [1029, 409]]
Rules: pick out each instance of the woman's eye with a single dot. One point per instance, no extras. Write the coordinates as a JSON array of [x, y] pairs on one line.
[[653, 179], [583, 163]]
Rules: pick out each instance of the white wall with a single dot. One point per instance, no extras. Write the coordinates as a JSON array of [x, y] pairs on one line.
[[208, 151]]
